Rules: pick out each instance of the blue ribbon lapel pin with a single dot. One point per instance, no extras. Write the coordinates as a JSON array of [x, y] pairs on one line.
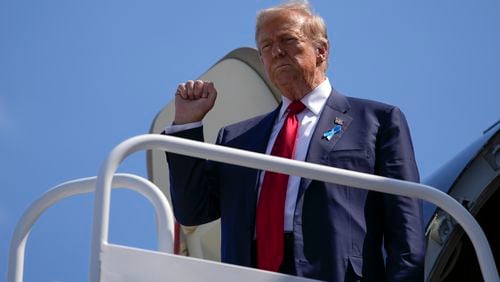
[[330, 133]]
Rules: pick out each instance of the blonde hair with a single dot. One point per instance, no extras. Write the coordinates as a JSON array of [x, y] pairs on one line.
[[314, 26]]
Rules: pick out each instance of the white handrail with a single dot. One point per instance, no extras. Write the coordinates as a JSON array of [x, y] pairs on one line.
[[164, 216], [280, 165]]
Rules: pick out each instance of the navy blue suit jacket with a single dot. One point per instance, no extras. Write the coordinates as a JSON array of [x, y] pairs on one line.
[[340, 232]]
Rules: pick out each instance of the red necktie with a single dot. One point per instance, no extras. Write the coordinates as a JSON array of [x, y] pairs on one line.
[[271, 207]]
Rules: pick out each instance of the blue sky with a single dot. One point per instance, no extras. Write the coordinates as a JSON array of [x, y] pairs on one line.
[[79, 77]]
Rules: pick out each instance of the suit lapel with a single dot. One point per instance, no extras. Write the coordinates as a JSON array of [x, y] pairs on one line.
[[260, 135], [263, 130], [334, 113]]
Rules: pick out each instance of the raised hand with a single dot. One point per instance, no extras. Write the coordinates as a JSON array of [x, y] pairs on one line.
[[193, 100]]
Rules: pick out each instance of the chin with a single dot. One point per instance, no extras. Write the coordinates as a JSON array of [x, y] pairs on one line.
[[284, 79]]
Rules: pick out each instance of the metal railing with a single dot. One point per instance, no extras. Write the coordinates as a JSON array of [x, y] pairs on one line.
[[164, 216], [280, 165]]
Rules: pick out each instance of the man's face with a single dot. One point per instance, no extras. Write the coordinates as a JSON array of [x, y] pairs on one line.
[[290, 59]]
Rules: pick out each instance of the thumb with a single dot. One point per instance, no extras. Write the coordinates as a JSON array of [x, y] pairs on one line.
[[212, 92]]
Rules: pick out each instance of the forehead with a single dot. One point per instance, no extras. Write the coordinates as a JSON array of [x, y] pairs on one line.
[[281, 22]]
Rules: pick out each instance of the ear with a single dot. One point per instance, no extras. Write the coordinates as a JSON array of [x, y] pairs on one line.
[[322, 52]]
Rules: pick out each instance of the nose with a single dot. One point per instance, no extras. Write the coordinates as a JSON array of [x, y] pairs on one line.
[[278, 51]]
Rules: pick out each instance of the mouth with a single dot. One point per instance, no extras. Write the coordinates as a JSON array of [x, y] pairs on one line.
[[281, 66]]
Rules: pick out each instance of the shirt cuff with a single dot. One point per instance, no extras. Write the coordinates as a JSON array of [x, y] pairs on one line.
[[181, 127]]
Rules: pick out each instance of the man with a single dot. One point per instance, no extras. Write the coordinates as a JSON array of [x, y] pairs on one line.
[[293, 225]]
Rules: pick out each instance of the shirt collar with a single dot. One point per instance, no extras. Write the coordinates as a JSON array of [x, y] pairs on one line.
[[314, 100]]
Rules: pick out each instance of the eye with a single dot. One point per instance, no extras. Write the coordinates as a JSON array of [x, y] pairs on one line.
[[265, 46]]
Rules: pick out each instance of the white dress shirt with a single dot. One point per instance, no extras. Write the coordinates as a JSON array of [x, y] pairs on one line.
[[308, 118]]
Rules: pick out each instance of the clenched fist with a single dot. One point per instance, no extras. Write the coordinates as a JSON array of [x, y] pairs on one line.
[[193, 100]]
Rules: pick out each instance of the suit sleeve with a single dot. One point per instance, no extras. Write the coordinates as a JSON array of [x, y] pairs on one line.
[[193, 185], [403, 224]]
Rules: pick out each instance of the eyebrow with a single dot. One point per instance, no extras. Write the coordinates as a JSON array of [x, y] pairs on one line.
[[265, 40]]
